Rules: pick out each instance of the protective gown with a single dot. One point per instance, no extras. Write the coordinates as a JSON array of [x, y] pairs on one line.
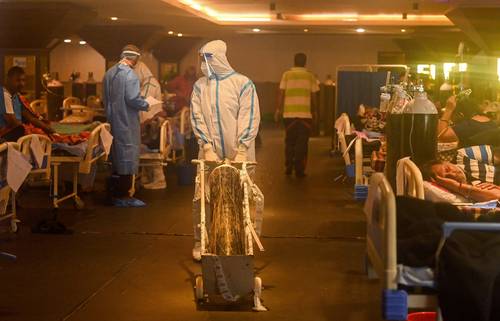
[[123, 102], [224, 105]]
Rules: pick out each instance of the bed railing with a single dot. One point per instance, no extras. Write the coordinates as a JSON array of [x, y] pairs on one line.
[[380, 208], [409, 181]]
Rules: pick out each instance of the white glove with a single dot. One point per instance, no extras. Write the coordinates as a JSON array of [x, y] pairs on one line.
[[241, 155], [208, 153]]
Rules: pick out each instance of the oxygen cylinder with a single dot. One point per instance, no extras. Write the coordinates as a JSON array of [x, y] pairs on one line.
[[419, 130], [55, 98], [90, 86], [393, 129]]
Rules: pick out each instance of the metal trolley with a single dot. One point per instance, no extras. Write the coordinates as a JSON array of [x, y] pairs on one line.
[[230, 279]]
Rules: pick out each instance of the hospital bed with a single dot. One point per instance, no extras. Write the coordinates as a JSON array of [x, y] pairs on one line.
[[162, 155], [409, 181], [81, 164], [361, 167], [381, 253], [343, 128], [183, 123], [6, 193]]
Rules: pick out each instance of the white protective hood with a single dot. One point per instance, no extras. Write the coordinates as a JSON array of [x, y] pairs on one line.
[[217, 63]]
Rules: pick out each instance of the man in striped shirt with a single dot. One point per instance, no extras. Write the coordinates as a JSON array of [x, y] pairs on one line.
[[297, 105]]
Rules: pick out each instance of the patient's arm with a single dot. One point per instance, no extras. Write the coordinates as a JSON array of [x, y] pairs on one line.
[[481, 193]]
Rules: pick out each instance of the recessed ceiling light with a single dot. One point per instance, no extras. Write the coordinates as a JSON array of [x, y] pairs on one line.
[[114, 18], [360, 30], [170, 32], [83, 42], [306, 30], [180, 35], [67, 40], [403, 30], [256, 30]]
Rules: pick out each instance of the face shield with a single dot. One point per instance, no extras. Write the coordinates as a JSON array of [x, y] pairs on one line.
[[204, 62]]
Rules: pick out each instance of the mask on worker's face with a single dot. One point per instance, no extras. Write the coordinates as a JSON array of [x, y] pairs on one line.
[[204, 69], [205, 66]]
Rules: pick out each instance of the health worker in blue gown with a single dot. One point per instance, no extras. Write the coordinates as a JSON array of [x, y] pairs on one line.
[[123, 102]]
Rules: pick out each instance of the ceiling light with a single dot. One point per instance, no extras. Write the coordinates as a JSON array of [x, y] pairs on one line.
[[83, 42], [306, 30], [403, 30], [256, 30], [360, 30], [170, 32], [233, 18], [197, 6], [67, 40], [114, 18], [180, 35]]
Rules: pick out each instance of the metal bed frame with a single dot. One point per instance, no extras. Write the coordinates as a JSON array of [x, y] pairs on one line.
[[363, 67], [81, 165], [381, 240], [409, 181]]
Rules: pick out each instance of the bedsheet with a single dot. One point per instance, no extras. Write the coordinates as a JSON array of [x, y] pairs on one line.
[[73, 129], [416, 276]]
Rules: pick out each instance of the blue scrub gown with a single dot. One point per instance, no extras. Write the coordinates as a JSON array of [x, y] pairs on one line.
[[123, 102]]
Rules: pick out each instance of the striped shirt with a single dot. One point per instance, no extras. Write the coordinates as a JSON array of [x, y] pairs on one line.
[[9, 105], [477, 163], [298, 84]]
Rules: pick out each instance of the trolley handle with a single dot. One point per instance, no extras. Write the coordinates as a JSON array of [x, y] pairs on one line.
[[218, 163], [8, 256]]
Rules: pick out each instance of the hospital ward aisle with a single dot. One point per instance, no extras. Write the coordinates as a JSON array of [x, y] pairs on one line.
[[136, 265]]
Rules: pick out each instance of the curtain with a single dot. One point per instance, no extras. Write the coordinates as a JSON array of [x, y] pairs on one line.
[[358, 87]]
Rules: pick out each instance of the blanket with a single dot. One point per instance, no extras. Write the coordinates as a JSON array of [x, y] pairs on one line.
[[468, 275]]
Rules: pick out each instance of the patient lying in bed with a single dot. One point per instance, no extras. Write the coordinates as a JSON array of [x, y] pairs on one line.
[[451, 178]]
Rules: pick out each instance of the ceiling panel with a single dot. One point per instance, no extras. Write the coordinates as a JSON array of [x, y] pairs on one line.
[[318, 6], [35, 25]]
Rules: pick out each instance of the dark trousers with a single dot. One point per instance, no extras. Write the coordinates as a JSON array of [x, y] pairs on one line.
[[298, 131]]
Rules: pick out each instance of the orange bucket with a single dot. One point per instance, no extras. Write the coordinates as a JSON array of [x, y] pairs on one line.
[[422, 316]]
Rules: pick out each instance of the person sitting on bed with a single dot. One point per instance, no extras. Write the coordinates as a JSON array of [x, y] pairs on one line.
[[14, 110], [461, 121], [371, 119], [454, 179]]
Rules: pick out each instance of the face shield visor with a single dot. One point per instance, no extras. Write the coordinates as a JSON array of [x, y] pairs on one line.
[[204, 60]]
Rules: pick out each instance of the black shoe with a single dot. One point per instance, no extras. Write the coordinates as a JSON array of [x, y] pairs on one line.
[[300, 175]]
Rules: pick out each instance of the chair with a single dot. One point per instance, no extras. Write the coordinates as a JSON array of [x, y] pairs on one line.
[[95, 104], [6, 192], [46, 144], [40, 106], [75, 112]]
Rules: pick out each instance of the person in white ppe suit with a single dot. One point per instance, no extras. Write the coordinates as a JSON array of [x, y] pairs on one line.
[[225, 115], [152, 177]]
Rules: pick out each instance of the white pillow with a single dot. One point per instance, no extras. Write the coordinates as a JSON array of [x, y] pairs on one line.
[[436, 193]]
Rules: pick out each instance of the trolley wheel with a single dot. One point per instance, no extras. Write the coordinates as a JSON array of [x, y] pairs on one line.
[[78, 203], [13, 226], [199, 288]]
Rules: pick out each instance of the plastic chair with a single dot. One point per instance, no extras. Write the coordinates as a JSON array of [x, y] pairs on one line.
[[40, 106], [25, 148]]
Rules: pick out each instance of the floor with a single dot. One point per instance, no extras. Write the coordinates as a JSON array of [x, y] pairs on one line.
[[135, 264]]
